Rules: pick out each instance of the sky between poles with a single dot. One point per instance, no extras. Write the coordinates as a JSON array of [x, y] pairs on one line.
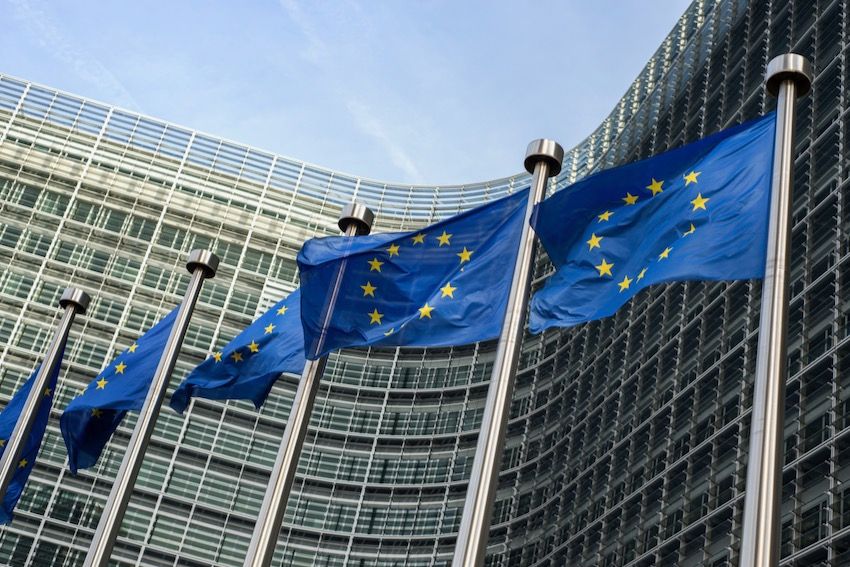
[[437, 92]]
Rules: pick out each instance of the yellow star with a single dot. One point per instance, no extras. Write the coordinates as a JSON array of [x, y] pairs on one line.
[[419, 239], [664, 255], [690, 230], [283, 309], [605, 216], [95, 412], [217, 356], [375, 265], [594, 241], [691, 177], [699, 202], [390, 332], [375, 317], [236, 356], [425, 311], [604, 268], [120, 367], [101, 384], [368, 289], [48, 391], [655, 187], [393, 250], [22, 464], [2, 442], [624, 285], [133, 347], [254, 347], [448, 290], [641, 274], [268, 329], [444, 238], [466, 255], [630, 199]]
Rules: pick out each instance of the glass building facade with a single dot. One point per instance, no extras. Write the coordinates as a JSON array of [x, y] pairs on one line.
[[627, 444]]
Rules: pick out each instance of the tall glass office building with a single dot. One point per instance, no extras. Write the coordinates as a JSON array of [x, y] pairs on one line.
[[628, 437]]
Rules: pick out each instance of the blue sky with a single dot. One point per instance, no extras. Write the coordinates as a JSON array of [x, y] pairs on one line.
[[444, 91]]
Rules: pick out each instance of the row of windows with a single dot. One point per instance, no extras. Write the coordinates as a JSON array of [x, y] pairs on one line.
[[143, 228], [206, 159]]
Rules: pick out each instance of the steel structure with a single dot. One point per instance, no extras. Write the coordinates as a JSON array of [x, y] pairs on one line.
[[627, 440]]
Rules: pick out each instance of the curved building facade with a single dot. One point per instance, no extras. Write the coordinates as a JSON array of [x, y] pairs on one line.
[[628, 437]]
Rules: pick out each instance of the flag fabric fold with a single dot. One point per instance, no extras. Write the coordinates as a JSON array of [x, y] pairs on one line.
[[699, 212], [8, 418], [248, 366], [92, 417], [446, 284]]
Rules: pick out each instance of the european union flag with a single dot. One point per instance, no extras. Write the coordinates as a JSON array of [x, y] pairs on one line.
[[248, 366], [92, 417], [8, 418], [699, 212], [446, 284]]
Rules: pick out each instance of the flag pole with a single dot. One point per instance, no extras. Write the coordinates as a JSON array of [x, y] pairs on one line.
[[788, 76], [543, 158], [202, 264], [74, 301], [355, 220]]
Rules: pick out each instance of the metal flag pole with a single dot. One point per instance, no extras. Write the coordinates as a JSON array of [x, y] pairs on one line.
[[355, 220], [202, 264], [788, 76], [74, 301], [543, 158]]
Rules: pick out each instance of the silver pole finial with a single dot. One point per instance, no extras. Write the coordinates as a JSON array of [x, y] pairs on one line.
[[545, 150], [789, 67], [77, 297], [357, 215], [204, 260]]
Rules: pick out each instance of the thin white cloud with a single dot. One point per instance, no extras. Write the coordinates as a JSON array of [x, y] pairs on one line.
[[43, 29], [373, 127], [315, 49], [364, 118]]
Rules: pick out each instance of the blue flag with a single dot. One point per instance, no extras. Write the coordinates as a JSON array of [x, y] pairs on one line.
[[248, 366], [8, 418], [446, 284], [91, 418], [699, 212]]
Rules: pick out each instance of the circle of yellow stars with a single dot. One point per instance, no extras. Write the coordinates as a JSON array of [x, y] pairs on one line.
[[395, 249], [655, 187]]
